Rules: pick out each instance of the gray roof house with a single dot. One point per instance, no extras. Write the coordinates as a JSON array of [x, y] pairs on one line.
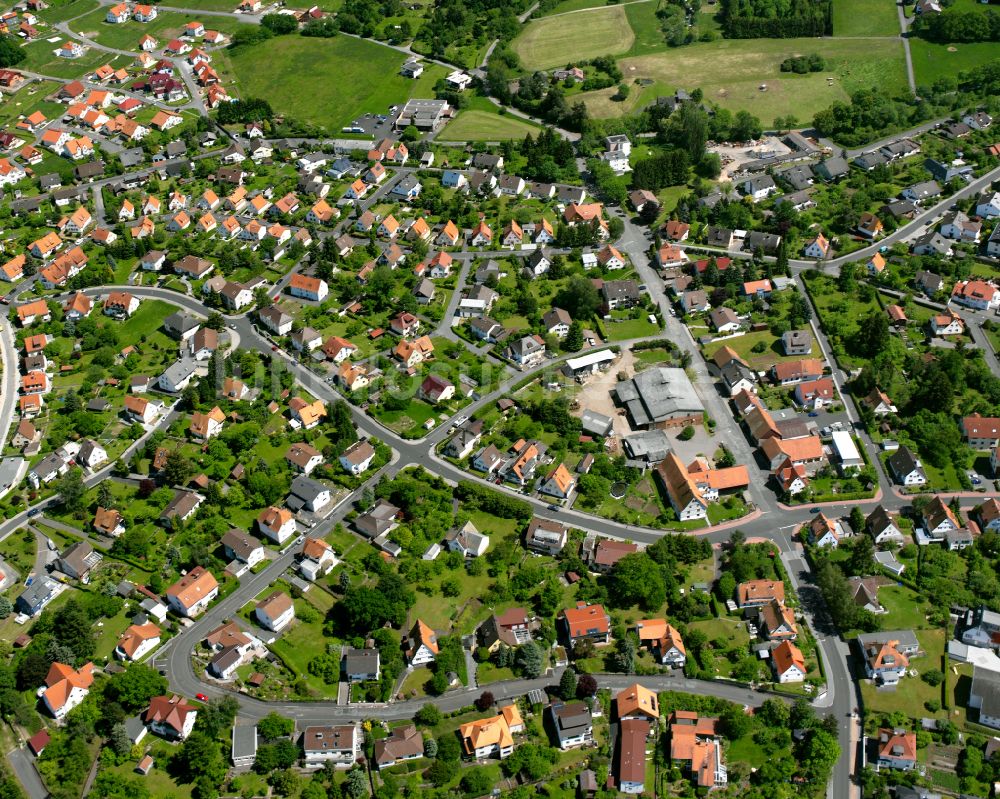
[[381, 518], [360, 665], [308, 494], [832, 168], [77, 560], [573, 724], [36, 596]]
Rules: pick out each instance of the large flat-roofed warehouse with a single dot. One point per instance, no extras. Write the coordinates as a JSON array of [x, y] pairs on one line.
[[424, 114], [660, 397]]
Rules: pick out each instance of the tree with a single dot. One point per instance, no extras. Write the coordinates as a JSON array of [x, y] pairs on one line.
[[625, 651], [134, 687], [567, 684], [477, 781], [356, 783], [837, 593], [574, 338], [637, 579], [485, 701], [11, 52], [218, 715], [200, 757], [71, 490], [579, 298], [273, 726], [280, 24], [285, 781], [178, 469], [430, 747], [862, 556], [873, 334], [529, 660], [857, 519], [120, 741], [586, 686], [6, 608]]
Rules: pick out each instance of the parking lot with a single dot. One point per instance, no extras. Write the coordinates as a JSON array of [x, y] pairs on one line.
[[378, 126]]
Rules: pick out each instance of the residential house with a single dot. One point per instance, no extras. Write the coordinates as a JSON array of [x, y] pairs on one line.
[[190, 595], [585, 622]]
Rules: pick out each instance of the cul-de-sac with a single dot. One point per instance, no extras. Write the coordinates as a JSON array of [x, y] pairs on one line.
[[452, 399]]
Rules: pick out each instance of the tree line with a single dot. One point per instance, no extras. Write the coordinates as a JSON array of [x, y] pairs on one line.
[[768, 19]]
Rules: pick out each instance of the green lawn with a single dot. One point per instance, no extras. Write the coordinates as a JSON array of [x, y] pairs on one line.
[[476, 125], [933, 61], [60, 11], [905, 608], [625, 329], [730, 73], [42, 58], [29, 99], [158, 782], [125, 36], [297, 646], [865, 18], [744, 347], [146, 320], [573, 5], [554, 41], [367, 78]]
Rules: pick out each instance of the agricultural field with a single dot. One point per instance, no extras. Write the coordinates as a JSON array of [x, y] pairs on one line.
[[479, 125], [733, 72], [368, 78], [555, 41]]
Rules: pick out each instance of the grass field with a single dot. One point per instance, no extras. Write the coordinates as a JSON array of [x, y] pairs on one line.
[[477, 125], [730, 72], [42, 58], [865, 18], [368, 79], [555, 41], [933, 61], [60, 11], [167, 25], [575, 5]]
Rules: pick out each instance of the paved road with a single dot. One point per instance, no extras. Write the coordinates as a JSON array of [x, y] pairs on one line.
[[904, 28], [23, 764], [841, 695]]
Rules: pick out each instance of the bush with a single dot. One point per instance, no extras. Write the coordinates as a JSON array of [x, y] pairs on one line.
[[686, 434], [279, 24], [428, 715], [933, 677]]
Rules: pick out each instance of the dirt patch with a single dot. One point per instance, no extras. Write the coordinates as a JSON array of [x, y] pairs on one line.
[[635, 503], [595, 394], [734, 156]]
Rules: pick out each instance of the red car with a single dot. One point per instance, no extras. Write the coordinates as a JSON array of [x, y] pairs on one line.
[[201, 697]]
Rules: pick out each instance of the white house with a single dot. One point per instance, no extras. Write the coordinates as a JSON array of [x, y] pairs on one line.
[[65, 688], [278, 524], [275, 612]]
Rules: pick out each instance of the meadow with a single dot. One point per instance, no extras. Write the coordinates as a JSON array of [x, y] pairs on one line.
[[296, 77]]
